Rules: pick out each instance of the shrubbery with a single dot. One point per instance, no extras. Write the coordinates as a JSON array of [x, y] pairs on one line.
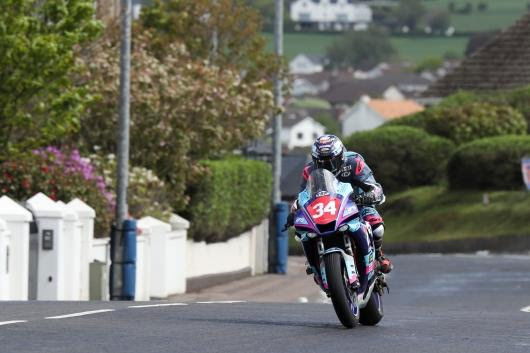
[[468, 121], [231, 197], [402, 156], [147, 194], [61, 176], [492, 163]]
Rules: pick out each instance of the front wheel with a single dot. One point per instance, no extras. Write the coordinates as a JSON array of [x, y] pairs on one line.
[[344, 300], [372, 313]]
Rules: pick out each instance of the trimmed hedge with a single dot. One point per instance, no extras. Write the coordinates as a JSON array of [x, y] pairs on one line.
[[466, 122], [491, 163], [230, 198], [402, 157]]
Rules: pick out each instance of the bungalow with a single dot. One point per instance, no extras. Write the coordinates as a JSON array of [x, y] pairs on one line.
[[368, 113], [300, 130]]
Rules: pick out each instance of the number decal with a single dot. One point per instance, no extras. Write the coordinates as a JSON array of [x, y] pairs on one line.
[[321, 209]]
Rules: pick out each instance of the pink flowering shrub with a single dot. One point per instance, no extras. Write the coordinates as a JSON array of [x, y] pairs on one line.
[[61, 175]]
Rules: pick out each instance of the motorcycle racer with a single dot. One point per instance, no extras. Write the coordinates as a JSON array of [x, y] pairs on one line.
[[328, 152]]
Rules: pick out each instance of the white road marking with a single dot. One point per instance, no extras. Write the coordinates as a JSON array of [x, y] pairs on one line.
[[526, 309], [3, 323], [302, 300], [156, 305], [223, 302], [79, 314]]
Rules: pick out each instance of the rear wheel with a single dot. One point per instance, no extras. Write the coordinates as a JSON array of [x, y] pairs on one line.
[[372, 313], [343, 298]]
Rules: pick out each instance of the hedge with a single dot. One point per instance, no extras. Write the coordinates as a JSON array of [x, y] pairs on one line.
[[490, 163], [467, 122], [230, 198], [402, 157]]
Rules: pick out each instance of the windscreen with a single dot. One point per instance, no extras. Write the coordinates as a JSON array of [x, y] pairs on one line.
[[321, 180]]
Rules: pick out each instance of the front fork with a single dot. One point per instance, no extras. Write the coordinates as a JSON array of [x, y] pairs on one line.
[[364, 243]]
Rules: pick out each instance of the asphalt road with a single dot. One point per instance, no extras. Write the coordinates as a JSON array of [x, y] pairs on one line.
[[458, 303]]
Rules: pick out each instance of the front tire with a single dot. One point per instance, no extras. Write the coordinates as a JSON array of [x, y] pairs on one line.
[[344, 301], [373, 312]]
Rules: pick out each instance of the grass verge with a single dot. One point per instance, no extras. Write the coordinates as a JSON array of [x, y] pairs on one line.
[[432, 213]]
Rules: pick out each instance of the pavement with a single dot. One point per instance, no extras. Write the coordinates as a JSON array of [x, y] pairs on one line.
[[437, 303]]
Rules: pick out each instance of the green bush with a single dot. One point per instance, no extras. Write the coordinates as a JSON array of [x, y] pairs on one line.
[[490, 163], [467, 121], [519, 99], [147, 195], [232, 196], [402, 156]]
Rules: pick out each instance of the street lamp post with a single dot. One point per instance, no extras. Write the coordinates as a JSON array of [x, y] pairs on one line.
[[123, 150]]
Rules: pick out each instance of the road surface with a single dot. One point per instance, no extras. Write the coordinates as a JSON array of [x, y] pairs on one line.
[[456, 303]]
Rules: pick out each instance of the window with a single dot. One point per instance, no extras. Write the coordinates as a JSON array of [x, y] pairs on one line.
[[300, 136]]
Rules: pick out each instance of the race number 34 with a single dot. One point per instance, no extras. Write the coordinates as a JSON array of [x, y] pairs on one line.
[[324, 209], [320, 209]]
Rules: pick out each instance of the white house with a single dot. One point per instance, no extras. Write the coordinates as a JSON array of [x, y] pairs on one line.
[[331, 14], [368, 113], [306, 64], [300, 131]]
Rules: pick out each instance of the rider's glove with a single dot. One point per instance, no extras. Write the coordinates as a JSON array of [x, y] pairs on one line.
[[289, 223]]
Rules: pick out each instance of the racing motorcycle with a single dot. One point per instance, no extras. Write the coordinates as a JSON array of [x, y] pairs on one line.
[[329, 216]]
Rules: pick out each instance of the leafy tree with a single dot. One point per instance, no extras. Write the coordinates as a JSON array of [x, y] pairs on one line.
[[361, 50], [39, 102], [182, 110], [331, 124], [439, 20], [410, 12], [429, 64], [224, 32]]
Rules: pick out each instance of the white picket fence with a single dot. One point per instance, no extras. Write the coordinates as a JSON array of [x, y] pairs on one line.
[[54, 264]]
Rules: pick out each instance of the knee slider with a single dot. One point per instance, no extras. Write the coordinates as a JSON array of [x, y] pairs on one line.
[[378, 231]]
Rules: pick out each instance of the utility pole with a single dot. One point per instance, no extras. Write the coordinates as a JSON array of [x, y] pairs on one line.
[[278, 252], [123, 147], [278, 101]]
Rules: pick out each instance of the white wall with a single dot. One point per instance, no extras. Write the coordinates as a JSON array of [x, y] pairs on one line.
[[326, 12], [360, 118], [304, 133]]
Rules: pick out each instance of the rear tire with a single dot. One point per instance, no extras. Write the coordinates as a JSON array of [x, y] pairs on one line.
[[373, 312], [344, 301]]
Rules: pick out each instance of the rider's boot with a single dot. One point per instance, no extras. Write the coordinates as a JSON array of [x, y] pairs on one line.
[[385, 265]]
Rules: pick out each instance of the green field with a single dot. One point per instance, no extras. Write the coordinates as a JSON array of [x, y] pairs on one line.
[[411, 49], [433, 213], [500, 14]]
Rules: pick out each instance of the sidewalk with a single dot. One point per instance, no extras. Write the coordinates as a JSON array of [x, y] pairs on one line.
[[293, 287]]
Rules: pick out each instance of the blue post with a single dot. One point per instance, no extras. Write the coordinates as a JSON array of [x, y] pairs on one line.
[[281, 210], [124, 266]]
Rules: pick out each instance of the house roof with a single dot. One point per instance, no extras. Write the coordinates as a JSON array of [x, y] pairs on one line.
[[292, 167], [390, 109], [503, 63], [347, 91]]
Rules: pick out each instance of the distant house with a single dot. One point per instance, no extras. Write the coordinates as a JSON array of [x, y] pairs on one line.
[[306, 64], [300, 130], [368, 113], [344, 92], [336, 15], [503, 63]]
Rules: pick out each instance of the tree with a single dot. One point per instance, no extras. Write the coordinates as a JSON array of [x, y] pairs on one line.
[[439, 20], [224, 32], [39, 102], [361, 50], [183, 109], [409, 13]]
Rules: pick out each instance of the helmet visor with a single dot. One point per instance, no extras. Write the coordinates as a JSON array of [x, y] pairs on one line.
[[332, 164]]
